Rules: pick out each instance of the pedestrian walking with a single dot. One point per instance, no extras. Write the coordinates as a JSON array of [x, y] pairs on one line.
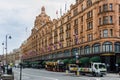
[[116, 65]]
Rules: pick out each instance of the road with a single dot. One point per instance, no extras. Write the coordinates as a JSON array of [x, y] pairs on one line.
[[37, 74]]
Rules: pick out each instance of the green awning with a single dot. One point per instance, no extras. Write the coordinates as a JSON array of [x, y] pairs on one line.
[[44, 62], [84, 60], [65, 61], [95, 59], [24, 63], [34, 63], [72, 61]]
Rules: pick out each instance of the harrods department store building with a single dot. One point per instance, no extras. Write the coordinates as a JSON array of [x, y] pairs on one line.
[[90, 28]]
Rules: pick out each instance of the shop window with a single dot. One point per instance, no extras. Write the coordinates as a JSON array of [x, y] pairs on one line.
[[107, 47]]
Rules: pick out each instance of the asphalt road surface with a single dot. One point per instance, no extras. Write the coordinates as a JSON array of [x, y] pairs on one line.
[[41, 74]]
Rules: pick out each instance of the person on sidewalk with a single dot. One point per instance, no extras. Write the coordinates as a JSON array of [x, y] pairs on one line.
[[9, 71]]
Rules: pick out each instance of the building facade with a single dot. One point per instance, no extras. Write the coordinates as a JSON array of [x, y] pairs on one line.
[[14, 57], [90, 28]]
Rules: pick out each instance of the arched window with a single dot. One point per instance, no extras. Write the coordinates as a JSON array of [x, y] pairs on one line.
[[54, 55], [96, 48], [87, 50], [89, 3], [117, 47], [107, 47], [59, 54], [67, 53], [81, 50], [74, 51]]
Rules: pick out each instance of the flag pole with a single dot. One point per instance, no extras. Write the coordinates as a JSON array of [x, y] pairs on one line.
[[60, 12], [65, 7], [57, 14]]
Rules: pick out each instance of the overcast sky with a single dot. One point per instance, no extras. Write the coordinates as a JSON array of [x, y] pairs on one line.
[[17, 15]]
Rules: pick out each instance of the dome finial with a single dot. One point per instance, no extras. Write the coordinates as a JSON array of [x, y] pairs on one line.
[[43, 9]]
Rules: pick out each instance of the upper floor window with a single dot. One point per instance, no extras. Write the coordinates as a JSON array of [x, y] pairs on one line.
[[90, 37], [61, 37], [111, 32], [82, 7], [61, 22], [68, 43], [111, 19], [55, 33], [76, 30], [105, 7], [76, 22], [81, 28], [89, 14], [51, 30], [76, 1], [111, 7], [100, 9], [100, 21], [76, 40], [89, 3], [67, 34], [75, 12], [100, 34], [68, 18], [81, 1], [105, 33], [55, 39], [68, 26], [61, 29], [89, 25], [50, 35], [105, 20], [81, 18], [55, 26]]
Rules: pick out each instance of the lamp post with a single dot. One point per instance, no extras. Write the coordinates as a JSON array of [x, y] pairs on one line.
[[77, 61], [6, 37], [21, 71], [3, 53], [21, 65], [76, 56]]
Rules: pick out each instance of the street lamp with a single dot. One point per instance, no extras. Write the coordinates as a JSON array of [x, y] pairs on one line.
[[3, 53], [77, 56], [7, 37], [77, 61]]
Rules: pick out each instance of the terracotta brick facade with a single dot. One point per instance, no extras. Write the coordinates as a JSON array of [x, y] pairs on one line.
[[89, 28]]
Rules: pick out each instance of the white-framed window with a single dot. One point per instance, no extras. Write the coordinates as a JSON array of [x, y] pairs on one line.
[[105, 33]]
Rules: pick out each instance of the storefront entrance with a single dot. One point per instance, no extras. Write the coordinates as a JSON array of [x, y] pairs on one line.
[[110, 61]]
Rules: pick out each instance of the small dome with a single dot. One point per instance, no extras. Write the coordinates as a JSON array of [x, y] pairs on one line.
[[43, 9]]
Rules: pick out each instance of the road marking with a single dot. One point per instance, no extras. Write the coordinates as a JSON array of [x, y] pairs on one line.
[[41, 76], [38, 76], [98, 79], [86, 78]]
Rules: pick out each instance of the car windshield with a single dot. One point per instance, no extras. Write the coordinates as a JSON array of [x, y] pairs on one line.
[[101, 66], [73, 66]]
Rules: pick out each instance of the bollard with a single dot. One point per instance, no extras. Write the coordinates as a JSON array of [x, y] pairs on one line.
[[66, 72], [78, 73]]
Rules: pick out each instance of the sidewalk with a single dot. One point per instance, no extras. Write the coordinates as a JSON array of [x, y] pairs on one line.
[[113, 75], [7, 77]]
